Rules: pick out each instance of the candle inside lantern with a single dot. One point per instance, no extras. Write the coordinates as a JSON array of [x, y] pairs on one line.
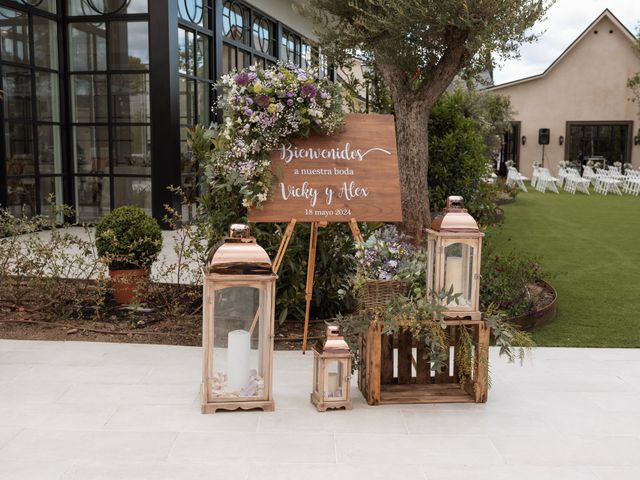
[[453, 274], [333, 383], [239, 349]]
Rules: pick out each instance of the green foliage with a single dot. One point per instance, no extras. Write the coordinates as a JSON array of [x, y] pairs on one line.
[[127, 238], [416, 35], [505, 277], [463, 125]]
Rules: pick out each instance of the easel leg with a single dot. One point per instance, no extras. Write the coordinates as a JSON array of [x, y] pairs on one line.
[[355, 231], [311, 266], [283, 246]]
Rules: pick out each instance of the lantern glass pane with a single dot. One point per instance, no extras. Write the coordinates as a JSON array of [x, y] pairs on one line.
[[316, 374], [334, 380], [237, 349], [431, 272], [458, 271]]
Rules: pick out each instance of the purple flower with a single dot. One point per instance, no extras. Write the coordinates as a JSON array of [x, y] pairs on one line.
[[308, 90], [289, 94], [249, 101], [262, 101], [252, 75], [247, 111], [324, 94], [242, 79], [290, 103]]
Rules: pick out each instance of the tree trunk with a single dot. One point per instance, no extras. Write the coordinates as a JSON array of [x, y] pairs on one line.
[[412, 132]]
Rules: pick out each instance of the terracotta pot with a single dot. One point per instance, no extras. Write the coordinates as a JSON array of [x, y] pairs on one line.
[[125, 283]]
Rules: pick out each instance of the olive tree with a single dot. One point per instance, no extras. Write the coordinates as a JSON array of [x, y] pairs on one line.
[[418, 47]]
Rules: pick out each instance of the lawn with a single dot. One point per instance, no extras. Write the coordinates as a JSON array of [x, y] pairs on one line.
[[590, 248]]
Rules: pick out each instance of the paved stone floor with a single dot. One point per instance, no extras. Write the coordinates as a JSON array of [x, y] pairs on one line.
[[73, 410]]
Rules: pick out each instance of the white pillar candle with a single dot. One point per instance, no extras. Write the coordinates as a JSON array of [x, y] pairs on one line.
[[333, 383], [453, 274], [239, 349]]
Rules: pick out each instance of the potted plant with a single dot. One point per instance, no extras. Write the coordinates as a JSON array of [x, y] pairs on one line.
[[129, 241]]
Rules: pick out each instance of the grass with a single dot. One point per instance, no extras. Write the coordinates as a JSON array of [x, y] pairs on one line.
[[590, 248]]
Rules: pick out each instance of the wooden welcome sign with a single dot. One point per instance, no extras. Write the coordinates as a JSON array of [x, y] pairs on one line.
[[351, 174]]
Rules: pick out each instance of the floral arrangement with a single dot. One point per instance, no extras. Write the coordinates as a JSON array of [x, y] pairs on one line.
[[382, 255], [264, 108]]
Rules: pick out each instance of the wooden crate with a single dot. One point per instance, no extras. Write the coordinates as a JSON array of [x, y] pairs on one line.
[[393, 368]]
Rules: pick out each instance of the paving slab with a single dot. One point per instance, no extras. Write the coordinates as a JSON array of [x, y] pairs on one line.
[[87, 411]]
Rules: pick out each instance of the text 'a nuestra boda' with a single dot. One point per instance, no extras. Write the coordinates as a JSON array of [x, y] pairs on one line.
[[290, 152]]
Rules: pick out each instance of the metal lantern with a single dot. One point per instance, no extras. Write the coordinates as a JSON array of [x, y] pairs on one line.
[[455, 246], [331, 372], [237, 325]]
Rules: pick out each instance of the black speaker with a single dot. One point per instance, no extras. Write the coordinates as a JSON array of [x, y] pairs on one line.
[[543, 136]]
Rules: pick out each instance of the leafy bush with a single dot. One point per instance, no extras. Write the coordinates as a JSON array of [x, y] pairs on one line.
[[462, 129], [505, 277], [127, 238]]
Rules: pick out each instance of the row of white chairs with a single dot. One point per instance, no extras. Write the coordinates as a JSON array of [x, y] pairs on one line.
[[604, 181]]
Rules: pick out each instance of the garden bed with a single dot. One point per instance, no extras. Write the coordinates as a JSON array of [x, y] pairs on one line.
[[545, 297], [34, 320]]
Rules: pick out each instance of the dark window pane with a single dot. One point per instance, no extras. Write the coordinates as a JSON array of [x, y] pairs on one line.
[[204, 104], [92, 198], [235, 21], [130, 98], [18, 144], [45, 42], [89, 98], [88, 46], [49, 153], [264, 35], [91, 149], [46, 5], [187, 102], [21, 196], [50, 187], [132, 150], [47, 96], [14, 36], [228, 59], [128, 46], [132, 191], [202, 56], [100, 7], [194, 11], [185, 52], [244, 59], [17, 92]]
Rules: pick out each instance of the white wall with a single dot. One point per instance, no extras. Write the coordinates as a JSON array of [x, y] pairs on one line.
[[283, 10]]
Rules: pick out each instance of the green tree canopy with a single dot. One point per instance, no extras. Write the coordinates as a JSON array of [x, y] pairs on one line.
[[419, 46]]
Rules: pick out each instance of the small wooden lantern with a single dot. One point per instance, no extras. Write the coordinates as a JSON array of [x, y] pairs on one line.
[[454, 249], [332, 372], [237, 325]]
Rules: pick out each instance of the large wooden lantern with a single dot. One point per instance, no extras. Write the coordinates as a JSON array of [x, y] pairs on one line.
[[331, 372], [237, 325], [454, 249]]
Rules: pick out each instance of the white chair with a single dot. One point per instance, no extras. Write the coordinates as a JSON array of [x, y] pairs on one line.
[[632, 183], [514, 177], [573, 181], [545, 181], [589, 174], [606, 183]]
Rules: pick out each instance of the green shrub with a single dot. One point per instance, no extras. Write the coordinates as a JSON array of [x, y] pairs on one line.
[[461, 128], [505, 277], [127, 238]]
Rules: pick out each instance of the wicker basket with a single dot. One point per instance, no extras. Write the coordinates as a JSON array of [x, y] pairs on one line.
[[377, 294]]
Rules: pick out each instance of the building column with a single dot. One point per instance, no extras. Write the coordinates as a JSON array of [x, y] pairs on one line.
[[165, 106]]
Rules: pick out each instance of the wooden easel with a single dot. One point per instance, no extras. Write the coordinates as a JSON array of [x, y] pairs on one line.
[[311, 264]]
